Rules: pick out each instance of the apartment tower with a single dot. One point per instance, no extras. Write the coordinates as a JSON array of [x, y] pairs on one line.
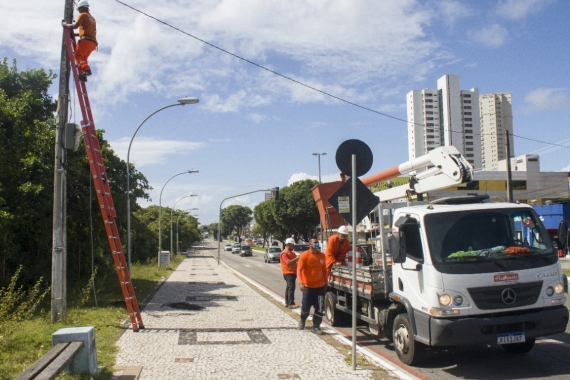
[[446, 116], [496, 119]]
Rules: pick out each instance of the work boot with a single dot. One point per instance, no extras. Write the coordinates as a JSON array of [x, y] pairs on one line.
[[87, 72], [83, 79], [318, 331], [302, 324], [294, 306]]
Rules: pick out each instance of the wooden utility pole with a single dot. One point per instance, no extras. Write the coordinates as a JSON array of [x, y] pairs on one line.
[[59, 246], [509, 174]]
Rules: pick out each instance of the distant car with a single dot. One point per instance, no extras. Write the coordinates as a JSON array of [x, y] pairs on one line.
[[272, 254], [228, 247], [245, 250], [236, 248], [300, 248]]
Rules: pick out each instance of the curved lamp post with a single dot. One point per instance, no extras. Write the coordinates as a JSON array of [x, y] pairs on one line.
[[177, 220], [181, 102], [319, 156], [220, 215], [160, 211], [171, 213]]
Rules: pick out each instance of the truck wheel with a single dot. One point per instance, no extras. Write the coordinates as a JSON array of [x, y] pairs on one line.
[[519, 348], [409, 351], [334, 316]]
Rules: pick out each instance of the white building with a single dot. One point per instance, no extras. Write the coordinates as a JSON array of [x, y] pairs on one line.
[[446, 116], [496, 111]]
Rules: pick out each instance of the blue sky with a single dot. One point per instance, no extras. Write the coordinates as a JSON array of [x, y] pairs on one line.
[[254, 130]]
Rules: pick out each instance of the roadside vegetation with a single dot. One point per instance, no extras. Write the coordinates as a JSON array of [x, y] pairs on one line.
[[25, 331]]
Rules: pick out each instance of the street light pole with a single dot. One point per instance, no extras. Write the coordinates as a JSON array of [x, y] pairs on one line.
[[181, 102], [171, 213], [319, 156], [160, 211]]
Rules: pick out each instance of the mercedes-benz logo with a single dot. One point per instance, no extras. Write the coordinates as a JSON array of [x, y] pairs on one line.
[[508, 296]]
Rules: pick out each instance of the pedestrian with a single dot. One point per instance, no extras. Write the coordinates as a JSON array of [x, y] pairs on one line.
[[289, 261], [337, 247], [312, 277], [87, 38]]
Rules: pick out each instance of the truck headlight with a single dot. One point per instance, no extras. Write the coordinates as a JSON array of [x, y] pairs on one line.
[[445, 299], [549, 291], [559, 288]]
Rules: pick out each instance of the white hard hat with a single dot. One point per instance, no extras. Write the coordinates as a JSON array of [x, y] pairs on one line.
[[82, 3], [343, 230], [290, 241]]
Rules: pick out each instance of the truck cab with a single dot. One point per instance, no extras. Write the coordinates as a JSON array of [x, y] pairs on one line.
[[474, 273]]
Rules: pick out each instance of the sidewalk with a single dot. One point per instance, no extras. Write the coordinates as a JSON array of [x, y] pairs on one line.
[[225, 330]]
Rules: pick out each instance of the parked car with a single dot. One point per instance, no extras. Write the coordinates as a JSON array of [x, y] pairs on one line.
[[236, 248], [300, 248], [272, 254], [245, 251], [228, 247]]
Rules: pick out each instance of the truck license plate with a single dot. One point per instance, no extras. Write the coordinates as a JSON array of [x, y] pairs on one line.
[[517, 337]]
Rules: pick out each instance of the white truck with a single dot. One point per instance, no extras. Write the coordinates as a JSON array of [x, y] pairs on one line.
[[453, 272]]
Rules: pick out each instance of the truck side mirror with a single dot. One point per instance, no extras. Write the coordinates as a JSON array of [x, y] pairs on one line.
[[563, 235]]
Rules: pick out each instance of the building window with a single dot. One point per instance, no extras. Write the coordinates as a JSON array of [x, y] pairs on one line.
[[429, 130], [468, 119], [466, 95], [469, 137], [469, 149], [429, 136], [429, 112], [429, 100], [429, 124], [469, 155], [468, 131], [467, 107], [467, 113], [469, 143], [429, 106]]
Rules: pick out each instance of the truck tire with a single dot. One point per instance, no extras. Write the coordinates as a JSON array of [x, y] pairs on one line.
[[334, 316], [519, 348], [410, 352]]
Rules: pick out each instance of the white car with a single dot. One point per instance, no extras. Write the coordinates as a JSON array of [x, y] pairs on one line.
[[228, 247]]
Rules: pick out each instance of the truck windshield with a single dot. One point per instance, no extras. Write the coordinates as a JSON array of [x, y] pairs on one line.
[[488, 241]]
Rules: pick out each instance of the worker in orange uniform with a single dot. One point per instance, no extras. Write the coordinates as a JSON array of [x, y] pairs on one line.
[[337, 247], [288, 260], [87, 38], [312, 277]]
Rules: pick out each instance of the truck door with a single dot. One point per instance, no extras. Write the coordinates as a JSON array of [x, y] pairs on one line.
[[408, 276]]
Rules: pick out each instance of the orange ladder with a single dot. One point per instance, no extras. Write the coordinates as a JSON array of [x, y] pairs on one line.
[[102, 187]]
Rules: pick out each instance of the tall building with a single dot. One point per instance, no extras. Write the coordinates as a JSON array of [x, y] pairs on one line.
[[496, 120], [446, 116]]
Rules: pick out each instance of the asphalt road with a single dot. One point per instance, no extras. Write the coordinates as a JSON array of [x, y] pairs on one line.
[[548, 359]]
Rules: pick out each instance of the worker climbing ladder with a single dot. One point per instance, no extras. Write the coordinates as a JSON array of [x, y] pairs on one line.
[[102, 187]]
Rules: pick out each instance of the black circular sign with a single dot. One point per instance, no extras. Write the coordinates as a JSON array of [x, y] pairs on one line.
[[363, 157]]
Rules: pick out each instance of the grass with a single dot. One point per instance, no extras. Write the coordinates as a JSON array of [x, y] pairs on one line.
[[24, 342]]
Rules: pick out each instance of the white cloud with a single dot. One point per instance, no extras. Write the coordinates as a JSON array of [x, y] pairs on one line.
[[519, 9], [147, 151], [546, 99], [452, 11], [334, 46], [256, 117], [566, 169], [303, 176], [492, 36]]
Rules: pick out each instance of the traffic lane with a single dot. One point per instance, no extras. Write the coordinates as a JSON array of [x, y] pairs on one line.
[[266, 274]]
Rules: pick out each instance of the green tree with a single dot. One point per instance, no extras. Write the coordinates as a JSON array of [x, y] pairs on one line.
[[296, 211], [236, 217]]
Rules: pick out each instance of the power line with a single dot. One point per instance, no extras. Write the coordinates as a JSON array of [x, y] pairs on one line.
[[263, 67], [306, 85]]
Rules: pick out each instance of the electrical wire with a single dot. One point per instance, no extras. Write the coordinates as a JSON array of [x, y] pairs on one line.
[[306, 85]]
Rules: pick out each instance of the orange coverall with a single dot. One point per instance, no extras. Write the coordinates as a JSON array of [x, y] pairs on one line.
[[336, 251], [88, 40]]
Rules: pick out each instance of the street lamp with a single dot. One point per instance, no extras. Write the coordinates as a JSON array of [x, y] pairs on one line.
[[171, 212], [160, 211], [181, 102], [319, 156], [177, 219], [275, 190]]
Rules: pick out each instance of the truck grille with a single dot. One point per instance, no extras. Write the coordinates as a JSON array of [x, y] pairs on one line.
[[505, 296]]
